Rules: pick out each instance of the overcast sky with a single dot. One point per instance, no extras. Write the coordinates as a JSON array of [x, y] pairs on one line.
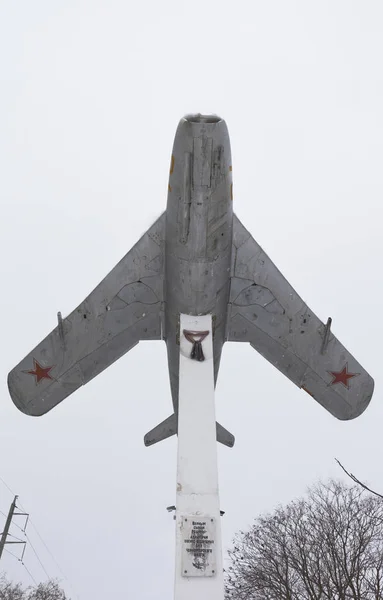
[[91, 93]]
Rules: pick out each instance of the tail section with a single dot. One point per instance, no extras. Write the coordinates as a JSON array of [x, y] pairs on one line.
[[164, 430], [224, 436], [169, 427]]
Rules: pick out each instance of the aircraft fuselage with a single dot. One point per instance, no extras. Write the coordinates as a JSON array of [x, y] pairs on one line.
[[199, 223]]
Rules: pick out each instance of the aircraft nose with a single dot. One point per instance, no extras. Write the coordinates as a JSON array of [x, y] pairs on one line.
[[198, 118]]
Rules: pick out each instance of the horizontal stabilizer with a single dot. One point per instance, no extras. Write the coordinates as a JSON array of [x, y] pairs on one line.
[[169, 427], [164, 430], [224, 436]]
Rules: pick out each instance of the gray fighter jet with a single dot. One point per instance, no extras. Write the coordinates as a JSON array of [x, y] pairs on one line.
[[197, 258]]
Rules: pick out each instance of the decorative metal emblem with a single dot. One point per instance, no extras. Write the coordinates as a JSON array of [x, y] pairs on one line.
[[196, 338]]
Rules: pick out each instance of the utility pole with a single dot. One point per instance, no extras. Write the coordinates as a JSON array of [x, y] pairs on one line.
[[7, 525]]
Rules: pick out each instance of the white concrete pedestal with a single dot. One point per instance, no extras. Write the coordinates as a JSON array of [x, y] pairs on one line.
[[199, 569]]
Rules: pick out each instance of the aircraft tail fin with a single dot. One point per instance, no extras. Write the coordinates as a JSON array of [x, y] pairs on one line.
[[224, 436], [169, 427], [162, 431]]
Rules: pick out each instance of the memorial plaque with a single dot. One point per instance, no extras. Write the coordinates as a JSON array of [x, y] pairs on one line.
[[198, 546]]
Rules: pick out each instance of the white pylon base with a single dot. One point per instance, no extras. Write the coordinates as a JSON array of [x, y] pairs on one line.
[[199, 569]]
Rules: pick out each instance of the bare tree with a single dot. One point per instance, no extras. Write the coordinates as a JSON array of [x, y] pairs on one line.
[[49, 590], [326, 546], [46, 591], [9, 590], [356, 480]]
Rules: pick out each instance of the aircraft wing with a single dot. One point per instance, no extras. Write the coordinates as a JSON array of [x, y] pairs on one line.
[[123, 309], [267, 312]]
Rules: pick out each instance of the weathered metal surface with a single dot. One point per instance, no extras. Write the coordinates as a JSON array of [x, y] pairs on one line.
[[213, 266], [268, 313], [326, 335], [120, 312]]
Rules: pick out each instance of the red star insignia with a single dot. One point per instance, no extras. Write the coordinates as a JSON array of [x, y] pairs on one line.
[[342, 376], [39, 372]]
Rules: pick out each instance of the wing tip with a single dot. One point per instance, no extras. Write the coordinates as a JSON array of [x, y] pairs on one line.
[[362, 404], [14, 392], [22, 407], [344, 411]]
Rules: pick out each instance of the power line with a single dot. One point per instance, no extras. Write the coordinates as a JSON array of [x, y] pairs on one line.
[[42, 541], [6, 531], [22, 556], [34, 527], [37, 556], [18, 526], [51, 555], [15, 524], [47, 549], [7, 486], [29, 573], [11, 553], [24, 565]]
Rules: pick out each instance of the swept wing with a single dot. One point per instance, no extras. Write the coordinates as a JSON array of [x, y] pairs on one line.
[[123, 309], [268, 313]]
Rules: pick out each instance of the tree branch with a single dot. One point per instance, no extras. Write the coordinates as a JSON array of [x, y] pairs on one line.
[[356, 480]]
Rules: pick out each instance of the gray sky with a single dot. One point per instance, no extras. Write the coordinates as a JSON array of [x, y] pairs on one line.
[[91, 94]]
